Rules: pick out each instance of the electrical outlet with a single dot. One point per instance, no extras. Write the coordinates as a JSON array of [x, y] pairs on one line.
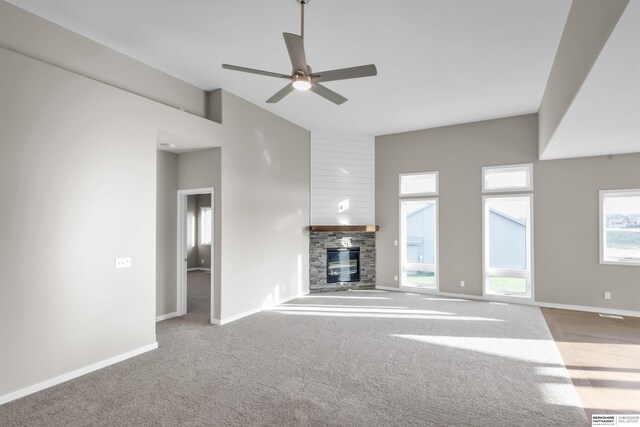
[[202, 261], [607, 295], [462, 283], [395, 278], [395, 243], [124, 262]]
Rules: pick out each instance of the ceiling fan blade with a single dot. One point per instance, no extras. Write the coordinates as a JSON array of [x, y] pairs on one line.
[[346, 73], [295, 47], [280, 94], [327, 93], [254, 71]]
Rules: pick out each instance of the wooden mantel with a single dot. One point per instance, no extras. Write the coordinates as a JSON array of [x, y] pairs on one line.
[[317, 228]]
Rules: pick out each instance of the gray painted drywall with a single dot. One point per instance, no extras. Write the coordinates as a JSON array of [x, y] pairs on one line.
[[84, 176], [166, 231], [265, 207], [566, 232], [33, 36], [588, 27], [566, 267]]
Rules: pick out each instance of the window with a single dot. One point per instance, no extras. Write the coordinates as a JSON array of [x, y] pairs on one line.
[[507, 178], [205, 225], [419, 230], [507, 245], [419, 184], [506, 230], [620, 227]]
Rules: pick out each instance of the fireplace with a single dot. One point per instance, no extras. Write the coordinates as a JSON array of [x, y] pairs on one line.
[[343, 265], [320, 242]]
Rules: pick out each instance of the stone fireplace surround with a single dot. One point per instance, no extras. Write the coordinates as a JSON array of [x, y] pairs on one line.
[[320, 241]]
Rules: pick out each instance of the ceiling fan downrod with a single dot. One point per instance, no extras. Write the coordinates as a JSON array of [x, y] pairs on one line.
[[302, 3]]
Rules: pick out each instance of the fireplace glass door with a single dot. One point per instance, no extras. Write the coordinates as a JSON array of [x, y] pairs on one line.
[[343, 265]]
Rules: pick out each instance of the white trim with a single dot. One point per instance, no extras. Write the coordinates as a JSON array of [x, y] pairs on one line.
[[433, 193], [598, 310], [257, 310], [602, 194], [240, 316], [166, 316], [75, 374], [198, 269], [528, 168], [523, 301]]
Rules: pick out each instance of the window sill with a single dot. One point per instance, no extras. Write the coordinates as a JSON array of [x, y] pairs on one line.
[[629, 263]]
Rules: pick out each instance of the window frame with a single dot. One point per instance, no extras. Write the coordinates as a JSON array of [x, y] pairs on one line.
[[602, 195], [526, 166], [434, 193], [201, 230], [500, 272]]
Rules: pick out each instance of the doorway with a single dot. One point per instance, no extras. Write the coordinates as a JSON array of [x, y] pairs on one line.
[[195, 269]]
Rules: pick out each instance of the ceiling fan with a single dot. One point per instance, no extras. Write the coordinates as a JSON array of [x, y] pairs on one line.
[[302, 78]]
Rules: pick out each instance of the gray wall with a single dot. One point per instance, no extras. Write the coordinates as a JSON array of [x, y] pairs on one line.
[[265, 207], [166, 231], [33, 36], [83, 174], [565, 209]]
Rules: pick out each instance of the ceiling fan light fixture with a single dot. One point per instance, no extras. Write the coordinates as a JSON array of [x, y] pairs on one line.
[[301, 82]]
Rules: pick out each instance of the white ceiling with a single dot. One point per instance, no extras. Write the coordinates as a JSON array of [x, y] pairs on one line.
[[440, 62], [604, 117]]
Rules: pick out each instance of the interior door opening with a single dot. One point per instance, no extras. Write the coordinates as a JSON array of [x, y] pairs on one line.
[[195, 282]]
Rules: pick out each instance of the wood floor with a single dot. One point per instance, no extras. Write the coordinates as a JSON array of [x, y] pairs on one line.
[[602, 356]]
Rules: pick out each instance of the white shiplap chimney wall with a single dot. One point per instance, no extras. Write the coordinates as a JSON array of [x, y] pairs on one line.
[[342, 179]]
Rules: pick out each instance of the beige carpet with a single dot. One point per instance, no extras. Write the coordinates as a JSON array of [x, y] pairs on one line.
[[355, 358]]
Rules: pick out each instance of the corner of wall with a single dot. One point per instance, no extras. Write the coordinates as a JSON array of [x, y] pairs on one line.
[[213, 109]]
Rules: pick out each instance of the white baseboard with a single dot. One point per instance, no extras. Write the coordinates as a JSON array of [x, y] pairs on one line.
[[602, 310], [74, 374], [512, 301], [167, 316], [199, 269], [256, 310]]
